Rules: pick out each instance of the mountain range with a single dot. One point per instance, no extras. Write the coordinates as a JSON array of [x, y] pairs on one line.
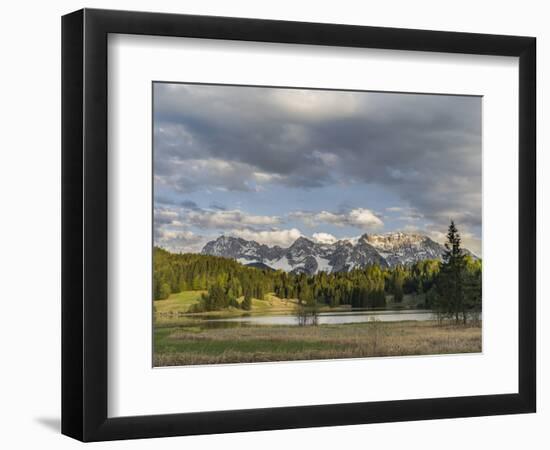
[[307, 256]]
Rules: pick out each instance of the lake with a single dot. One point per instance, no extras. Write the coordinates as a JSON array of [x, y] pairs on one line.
[[331, 318]]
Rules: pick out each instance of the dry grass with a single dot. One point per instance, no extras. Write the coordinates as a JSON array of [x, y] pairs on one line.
[[284, 343]]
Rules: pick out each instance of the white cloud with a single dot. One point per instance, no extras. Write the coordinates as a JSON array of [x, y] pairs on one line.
[[282, 238], [179, 241], [228, 219], [263, 177], [361, 218], [364, 218], [324, 238]]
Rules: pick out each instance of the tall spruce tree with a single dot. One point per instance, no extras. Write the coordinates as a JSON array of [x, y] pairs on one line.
[[451, 277]]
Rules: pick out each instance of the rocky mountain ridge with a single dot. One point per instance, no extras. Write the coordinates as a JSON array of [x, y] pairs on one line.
[[307, 256]]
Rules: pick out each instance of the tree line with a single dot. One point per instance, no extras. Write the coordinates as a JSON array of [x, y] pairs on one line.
[[452, 286], [225, 279]]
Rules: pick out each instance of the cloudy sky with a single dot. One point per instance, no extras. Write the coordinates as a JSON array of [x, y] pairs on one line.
[[273, 164]]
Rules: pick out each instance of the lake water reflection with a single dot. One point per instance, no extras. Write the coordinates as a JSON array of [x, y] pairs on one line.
[[332, 318]]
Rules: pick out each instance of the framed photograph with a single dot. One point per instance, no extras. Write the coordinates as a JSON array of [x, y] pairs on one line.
[[273, 224]]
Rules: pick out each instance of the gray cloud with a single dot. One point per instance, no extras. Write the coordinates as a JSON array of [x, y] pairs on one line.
[[222, 220], [424, 148], [166, 216], [218, 206], [189, 204], [405, 214]]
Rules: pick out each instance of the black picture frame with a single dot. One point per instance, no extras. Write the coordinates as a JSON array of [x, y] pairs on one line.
[[84, 224]]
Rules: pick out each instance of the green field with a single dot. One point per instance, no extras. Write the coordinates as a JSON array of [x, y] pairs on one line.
[[178, 303]]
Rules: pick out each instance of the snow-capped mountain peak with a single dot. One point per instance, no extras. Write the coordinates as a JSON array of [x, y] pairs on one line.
[[405, 248], [307, 256]]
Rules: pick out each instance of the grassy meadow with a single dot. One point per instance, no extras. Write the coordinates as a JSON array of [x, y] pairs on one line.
[[175, 309], [181, 338]]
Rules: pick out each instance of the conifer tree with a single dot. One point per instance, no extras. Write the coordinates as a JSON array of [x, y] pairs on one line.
[[451, 277]]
